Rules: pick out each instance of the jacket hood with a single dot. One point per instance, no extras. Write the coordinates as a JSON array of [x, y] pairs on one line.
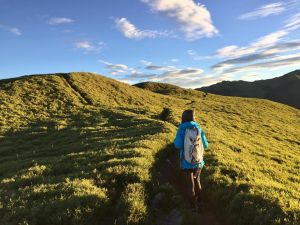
[[189, 124]]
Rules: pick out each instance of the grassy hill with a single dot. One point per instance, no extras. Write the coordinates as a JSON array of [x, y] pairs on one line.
[[80, 148], [284, 89]]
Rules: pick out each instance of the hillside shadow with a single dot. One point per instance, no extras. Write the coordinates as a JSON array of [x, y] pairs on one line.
[[232, 204], [54, 174], [168, 182], [236, 201]]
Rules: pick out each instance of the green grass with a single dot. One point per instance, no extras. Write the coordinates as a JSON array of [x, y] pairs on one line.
[[79, 149], [253, 162]]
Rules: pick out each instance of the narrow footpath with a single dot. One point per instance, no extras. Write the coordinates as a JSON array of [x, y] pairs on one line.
[[208, 215]]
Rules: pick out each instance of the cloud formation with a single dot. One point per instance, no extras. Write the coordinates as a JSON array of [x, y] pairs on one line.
[[14, 30], [243, 59], [280, 61], [264, 11], [129, 30], [258, 45], [195, 56], [160, 68], [269, 57], [293, 22], [272, 51], [117, 69], [88, 46], [59, 20], [145, 62], [174, 60], [193, 18], [187, 77]]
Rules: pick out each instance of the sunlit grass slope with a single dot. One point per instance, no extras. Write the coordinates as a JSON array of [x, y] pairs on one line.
[[71, 157], [254, 158], [78, 149]]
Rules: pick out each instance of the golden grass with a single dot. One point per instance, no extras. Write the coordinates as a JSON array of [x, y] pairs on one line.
[[78, 149]]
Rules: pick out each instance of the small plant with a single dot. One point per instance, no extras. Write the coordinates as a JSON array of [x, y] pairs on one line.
[[167, 115]]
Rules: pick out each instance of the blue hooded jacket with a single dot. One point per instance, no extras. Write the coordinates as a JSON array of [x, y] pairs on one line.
[[179, 144]]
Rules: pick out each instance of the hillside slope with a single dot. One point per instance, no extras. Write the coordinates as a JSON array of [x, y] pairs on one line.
[[254, 154], [284, 89], [79, 148]]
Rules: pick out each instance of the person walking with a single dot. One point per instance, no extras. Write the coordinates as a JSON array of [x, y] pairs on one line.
[[191, 142]]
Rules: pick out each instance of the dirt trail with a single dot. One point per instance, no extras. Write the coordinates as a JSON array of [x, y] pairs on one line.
[[169, 174]]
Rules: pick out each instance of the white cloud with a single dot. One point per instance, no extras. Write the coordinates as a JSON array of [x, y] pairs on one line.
[[258, 45], [269, 40], [187, 77], [117, 69], [14, 30], [59, 20], [88, 46], [293, 22], [213, 79], [145, 62], [174, 60], [130, 31], [193, 18], [264, 11], [160, 68], [188, 73], [228, 51], [268, 44], [250, 77], [221, 67], [84, 45], [267, 50], [104, 62], [196, 56], [284, 47], [172, 71], [275, 63], [264, 48]]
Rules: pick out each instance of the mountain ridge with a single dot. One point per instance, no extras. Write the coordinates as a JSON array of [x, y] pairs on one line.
[[284, 89]]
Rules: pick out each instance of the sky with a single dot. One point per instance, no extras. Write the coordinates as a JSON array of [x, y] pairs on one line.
[[188, 43]]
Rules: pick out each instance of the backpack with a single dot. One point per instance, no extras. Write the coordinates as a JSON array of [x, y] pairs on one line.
[[193, 146]]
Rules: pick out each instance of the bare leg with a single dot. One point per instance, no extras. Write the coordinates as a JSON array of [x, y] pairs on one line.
[[197, 186], [190, 184]]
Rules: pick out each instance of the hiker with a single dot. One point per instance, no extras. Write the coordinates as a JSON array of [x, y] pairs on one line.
[[191, 141]]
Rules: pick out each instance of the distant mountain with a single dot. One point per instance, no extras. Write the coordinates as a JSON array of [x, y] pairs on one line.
[[161, 88], [284, 89]]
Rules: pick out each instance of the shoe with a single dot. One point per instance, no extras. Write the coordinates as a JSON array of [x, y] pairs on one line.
[[200, 206], [194, 209]]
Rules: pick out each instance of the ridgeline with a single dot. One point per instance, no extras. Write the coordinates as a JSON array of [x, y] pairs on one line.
[[284, 89]]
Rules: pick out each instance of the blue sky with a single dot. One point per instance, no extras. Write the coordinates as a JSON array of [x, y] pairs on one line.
[[183, 42]]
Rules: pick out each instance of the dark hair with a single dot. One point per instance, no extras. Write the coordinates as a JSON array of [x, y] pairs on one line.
[[187, 115]]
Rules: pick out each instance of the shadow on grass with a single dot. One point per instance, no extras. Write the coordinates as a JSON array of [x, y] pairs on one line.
[[237, 202], [231, 202], [75, 174]]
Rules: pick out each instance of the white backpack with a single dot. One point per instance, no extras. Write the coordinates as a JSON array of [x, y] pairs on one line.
[[193, 146]]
